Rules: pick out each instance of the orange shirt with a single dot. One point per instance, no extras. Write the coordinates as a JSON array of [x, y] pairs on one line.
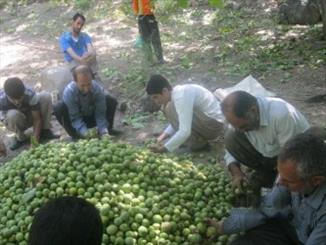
[[142, 7]]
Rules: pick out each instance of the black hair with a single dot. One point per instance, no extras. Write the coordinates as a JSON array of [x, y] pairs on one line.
[[308, 152], [78, 15], [66, 221], [14, 87], [239, 103], [156, 84], [81, 69]]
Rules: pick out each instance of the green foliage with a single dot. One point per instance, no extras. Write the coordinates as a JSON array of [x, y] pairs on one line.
[[183, 3], [216, 3], [82, 4], [137, 120]]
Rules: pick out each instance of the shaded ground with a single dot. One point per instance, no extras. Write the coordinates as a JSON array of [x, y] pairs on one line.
[[201, 45]]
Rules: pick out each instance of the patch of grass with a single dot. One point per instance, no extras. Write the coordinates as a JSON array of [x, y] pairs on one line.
[[82, 4]]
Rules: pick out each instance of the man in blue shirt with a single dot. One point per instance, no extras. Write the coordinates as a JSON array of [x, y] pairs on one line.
[[77, 46], [23, 108], [294, 212], [85, 106]]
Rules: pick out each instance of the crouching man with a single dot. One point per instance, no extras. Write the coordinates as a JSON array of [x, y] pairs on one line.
[[294, 212], [193, 112], [85, 106], [23, 108]]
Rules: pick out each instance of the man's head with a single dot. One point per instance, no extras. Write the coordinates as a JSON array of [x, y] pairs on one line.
[[302, 163], [78, 21], [83, 77], [66, 221], [159, 89], [241, 111], [14, 89]]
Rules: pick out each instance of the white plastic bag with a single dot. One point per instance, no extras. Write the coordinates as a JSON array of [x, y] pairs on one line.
[[248, 84]]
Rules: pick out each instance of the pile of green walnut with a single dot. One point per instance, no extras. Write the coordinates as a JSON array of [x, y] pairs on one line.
[[143, 198]]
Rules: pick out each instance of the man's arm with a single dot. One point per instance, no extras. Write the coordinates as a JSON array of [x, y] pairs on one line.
[[184, 106], [90, 50], [74, 113], [288, 124], [76, 57], [275, 203], [238, 177], [100, 110], [37, 124], [318, 235], [166, 133], [90, 54]]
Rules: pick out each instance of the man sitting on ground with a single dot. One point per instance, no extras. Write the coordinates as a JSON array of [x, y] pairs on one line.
[[85, 106], [193, 112], [66, 221], [77, 46], [294, 212], [23, 108]]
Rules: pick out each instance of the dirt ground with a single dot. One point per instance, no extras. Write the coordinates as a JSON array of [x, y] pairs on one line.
[[29, 44]]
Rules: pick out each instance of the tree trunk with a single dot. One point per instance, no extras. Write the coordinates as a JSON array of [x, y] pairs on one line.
[[323, 13]]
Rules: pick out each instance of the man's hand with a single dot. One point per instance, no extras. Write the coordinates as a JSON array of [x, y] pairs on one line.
[[162, 137], [239, 180], [3, 149], [87, 58], [215, 228], [157, 148], [238, 177]]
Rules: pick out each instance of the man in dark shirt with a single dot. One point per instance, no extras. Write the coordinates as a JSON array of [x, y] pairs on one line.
[[85, 105], [23, 108]]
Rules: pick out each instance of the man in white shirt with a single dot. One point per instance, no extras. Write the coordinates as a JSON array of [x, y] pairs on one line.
[[193, 112], [261, 126]]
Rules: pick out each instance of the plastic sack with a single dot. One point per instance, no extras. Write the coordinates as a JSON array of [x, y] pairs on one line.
[[139, 42], [249, 85]]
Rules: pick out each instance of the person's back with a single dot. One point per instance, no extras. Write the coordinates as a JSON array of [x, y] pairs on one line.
[[204, 100], [66, 221]]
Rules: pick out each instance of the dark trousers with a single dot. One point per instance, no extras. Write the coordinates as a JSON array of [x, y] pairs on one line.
[[148, 29], [275, 232], [60, 111], [242, 150]]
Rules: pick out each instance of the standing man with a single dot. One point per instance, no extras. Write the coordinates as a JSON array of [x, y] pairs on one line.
[[193, 112], [23, 108], [148, 29], [294, 212], [77, 46], [85, 106], [261, 126]]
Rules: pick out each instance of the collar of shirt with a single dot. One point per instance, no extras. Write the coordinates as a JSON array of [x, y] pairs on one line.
[[69, 35], [263, 111], [317, 197]]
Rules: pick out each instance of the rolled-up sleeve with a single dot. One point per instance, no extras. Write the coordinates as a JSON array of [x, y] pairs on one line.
[[169, 130], [228, 158]]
